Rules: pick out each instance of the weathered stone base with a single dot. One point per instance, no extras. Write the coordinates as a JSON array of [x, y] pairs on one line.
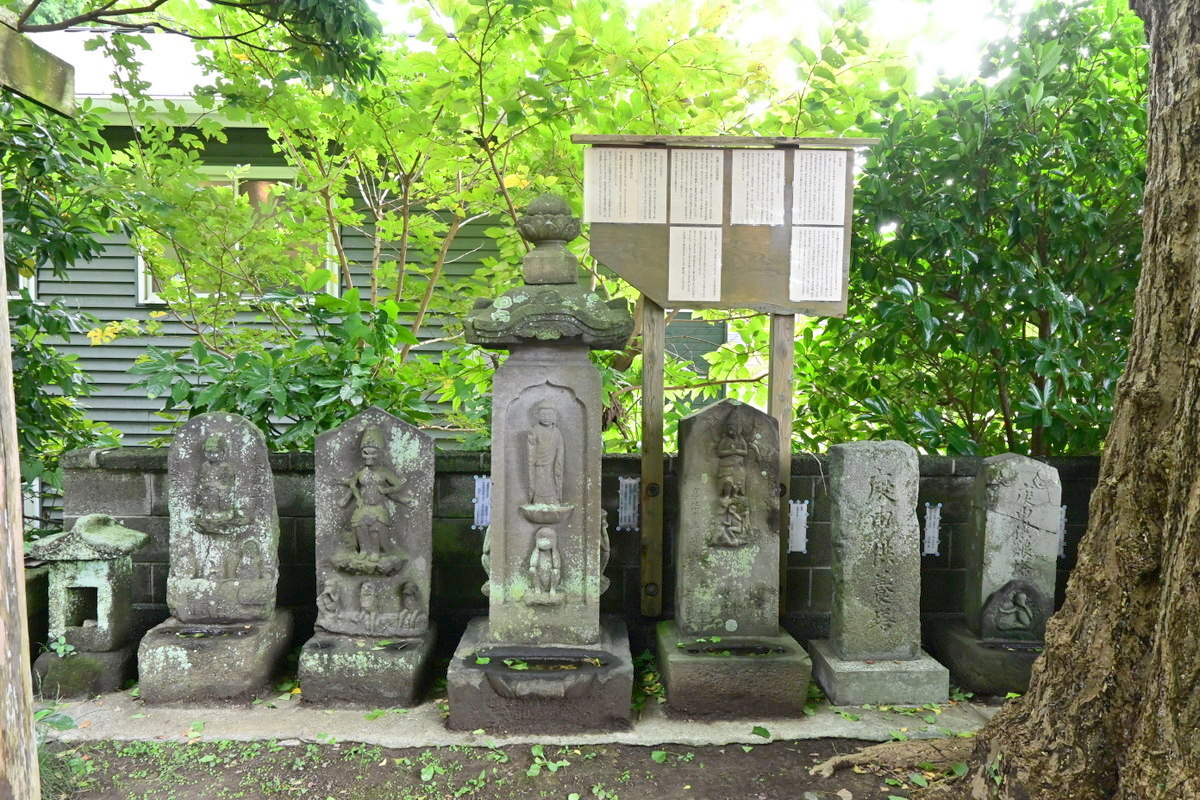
[[853, 683], [83, 674], [593, 695], [337, 669], [762, 677], [223, 662], [983, 668]]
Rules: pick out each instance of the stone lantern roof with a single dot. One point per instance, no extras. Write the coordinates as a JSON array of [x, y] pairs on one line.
[[96, 537], [551, 306]]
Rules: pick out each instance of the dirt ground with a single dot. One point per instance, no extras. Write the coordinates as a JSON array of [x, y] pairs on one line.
[[254, 770]]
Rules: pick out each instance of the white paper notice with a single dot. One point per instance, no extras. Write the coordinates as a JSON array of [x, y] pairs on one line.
[[757, 197], [819, 187], [624, 184], [696, 184], [817, 264], [694, 264]]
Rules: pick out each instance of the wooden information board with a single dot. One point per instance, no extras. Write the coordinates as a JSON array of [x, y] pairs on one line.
[[731, 222], [724, 222]]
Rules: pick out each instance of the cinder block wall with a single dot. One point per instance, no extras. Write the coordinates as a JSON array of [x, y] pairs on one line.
[[131, 484]]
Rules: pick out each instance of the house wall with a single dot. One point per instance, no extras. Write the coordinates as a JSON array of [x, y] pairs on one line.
[[131, 484], [106, 287]]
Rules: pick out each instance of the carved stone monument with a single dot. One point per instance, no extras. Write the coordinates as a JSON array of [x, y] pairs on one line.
[[546, 548], [724, 654], [374, 528], [1010, 552], [225, 635], [874, 653], [91, 603]]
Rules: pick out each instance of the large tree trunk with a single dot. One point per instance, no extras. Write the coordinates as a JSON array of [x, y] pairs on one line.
[[1114, 707]]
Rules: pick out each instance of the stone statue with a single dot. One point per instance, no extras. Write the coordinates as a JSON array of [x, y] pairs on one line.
[[732, 450], [486, 560], [370, 490], [545, 567], [735, 445], [327, 601], [605, 551], [250, 563], [1016, 615], [410, 605], [217, 513], [545, 452], [368, 603]]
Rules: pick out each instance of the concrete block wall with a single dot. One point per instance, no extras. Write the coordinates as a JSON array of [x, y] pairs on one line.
[[131, 484]]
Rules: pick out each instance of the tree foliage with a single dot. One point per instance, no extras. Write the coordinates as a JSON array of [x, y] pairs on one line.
[[321, 37], [54, 215], [471, 120], [997, 245]]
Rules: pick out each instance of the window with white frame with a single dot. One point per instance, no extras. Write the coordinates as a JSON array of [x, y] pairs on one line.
[[255, 183], [29, 284]]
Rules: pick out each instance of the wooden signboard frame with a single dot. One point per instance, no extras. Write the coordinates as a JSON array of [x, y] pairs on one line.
[[49, 81], [755, 270]]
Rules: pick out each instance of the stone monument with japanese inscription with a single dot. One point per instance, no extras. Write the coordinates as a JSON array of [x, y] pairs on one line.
[[724, 655], [1010, 552], [225, 635], [91, 607], [544, 660], [374, 528], [874, 651]]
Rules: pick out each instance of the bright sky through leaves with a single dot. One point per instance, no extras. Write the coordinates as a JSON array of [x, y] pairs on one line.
[[943, 36]]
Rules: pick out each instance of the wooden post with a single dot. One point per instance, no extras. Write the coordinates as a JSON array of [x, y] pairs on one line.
[[653, 344], [18, 746], [780, 398], [34, 73]]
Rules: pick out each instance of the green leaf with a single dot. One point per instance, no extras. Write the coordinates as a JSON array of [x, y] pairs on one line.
[[759, 730], [658, 756]]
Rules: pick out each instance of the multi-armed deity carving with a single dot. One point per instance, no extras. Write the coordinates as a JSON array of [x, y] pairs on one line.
[[373, 527], [374, 494]]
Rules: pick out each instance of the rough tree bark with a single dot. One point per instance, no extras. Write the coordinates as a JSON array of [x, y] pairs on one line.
[[18, 751], [1114, 707]]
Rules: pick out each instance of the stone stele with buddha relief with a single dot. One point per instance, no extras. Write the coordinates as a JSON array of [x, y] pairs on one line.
[[548, 541]]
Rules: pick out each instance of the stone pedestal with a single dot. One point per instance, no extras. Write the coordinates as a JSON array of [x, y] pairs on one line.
[[365, 671], [505, 688], [732, 677], [994, 668], [874, 653], [547, 546], [374, 528], [187, 663], [1010, 551], [84, 673], [225, 636], [910, 682]]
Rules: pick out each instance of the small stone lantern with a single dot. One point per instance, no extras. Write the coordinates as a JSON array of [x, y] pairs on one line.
[[91, 604]]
